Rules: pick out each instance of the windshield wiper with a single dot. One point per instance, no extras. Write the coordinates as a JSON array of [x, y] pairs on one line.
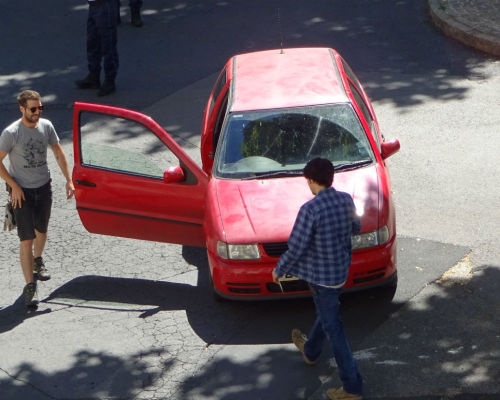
[[274, 174], [354, 165]]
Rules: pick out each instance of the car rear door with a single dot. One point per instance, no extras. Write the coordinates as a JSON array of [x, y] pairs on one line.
[[120, 159]]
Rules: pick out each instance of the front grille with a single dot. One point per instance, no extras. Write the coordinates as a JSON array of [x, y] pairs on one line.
[[275, 249], [241, 290], [288, 286], [243, 287]]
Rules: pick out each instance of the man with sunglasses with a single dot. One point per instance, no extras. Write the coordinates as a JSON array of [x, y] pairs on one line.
[[25, 141]]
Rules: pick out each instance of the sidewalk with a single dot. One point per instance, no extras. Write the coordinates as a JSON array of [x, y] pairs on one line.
[[475, 23]]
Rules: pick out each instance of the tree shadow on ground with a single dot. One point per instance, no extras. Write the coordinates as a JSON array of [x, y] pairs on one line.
[[92, 375], [445, 347], [391, 45]]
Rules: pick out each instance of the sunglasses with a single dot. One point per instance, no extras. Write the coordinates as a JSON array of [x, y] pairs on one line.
[[33, 109]]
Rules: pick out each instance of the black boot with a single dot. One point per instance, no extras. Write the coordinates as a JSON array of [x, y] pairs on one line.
[[108, 87], [135, 18], [89, 82]]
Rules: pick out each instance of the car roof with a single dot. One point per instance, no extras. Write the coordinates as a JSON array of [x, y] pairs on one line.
[[285, 78]]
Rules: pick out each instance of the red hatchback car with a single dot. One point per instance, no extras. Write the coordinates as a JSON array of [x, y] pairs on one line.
[[269, 113]]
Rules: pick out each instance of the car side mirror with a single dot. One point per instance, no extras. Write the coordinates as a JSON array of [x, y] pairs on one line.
[[389, 148], [173, 174]]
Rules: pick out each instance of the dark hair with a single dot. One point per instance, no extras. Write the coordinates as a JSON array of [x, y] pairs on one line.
[[320, 170], [26, 95]]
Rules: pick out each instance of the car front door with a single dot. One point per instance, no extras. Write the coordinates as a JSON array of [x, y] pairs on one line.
[[133, 180]]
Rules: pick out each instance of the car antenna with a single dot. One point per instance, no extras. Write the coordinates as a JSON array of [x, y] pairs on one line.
[[278, 19]]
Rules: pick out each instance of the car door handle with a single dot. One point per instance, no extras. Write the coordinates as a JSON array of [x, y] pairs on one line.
[[85, 183]]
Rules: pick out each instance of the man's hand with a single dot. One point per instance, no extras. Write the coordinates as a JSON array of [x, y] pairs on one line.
[[17, 196], [70, 189]]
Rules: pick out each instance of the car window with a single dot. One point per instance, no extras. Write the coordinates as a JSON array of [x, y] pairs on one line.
[[366, 113], [219, 85], [122, 145], [350, 74], [284, 140], [218, 122]]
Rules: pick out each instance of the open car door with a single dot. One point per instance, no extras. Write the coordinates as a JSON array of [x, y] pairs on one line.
[[133, 180]]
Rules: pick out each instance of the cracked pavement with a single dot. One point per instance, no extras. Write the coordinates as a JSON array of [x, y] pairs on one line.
[[124, 319]]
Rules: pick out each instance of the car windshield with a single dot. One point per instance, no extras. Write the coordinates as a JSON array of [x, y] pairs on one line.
[[274, 143]]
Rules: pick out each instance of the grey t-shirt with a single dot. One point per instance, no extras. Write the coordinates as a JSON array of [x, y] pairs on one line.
[[27, 149]]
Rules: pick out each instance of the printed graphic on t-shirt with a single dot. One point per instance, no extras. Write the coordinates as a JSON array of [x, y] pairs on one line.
[[34, 152]]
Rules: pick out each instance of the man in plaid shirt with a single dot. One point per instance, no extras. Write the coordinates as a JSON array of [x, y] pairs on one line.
[[319, 252]]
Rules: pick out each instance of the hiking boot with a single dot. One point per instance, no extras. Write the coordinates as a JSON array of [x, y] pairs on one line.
[[28, 294], [107, 87], [89, 82], [135, 18], [299, 339], [39, 270], [341, 394]]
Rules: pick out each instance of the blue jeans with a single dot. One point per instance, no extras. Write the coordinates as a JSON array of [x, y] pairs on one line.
[[328, 325]]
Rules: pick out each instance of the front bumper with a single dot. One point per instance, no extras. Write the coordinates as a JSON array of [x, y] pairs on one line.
[[247, 280]]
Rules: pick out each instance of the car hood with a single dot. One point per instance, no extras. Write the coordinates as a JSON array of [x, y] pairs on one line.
[[258, 211]]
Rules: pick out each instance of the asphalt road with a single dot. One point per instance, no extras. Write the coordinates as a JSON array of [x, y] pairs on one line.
[[124, 319]]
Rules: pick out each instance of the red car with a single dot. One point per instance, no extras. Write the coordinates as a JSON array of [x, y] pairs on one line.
[[269, 113]]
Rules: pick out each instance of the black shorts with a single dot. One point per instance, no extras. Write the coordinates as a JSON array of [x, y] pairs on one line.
[[34, 212]]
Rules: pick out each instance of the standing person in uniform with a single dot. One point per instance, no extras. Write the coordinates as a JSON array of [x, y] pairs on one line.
[[25, 141], [102, 40], [319, 252]]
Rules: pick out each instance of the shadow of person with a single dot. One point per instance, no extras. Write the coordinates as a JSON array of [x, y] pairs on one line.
[[17, 313]]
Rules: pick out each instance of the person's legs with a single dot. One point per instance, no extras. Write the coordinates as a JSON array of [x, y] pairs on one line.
[[25, 219], [106, 26], [135, 12], [26, 258], [135, 4], [39, 243], [26, 231], [92, 80], [315, 337], [94, 53], [328, 309], [43, 207]]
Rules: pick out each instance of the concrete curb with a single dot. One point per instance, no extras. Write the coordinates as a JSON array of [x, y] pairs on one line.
[[467, 34]]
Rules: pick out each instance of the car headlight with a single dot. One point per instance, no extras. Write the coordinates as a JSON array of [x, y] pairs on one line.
[[370, 239], [238, 251]]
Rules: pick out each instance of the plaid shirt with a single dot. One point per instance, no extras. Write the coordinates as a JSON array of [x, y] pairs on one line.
[[319, 248]]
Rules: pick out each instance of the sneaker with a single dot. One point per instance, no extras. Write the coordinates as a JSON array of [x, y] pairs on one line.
[[107, 87], [341, 394], [89, 82], [28, 293], [299, 339], [39, 270]]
